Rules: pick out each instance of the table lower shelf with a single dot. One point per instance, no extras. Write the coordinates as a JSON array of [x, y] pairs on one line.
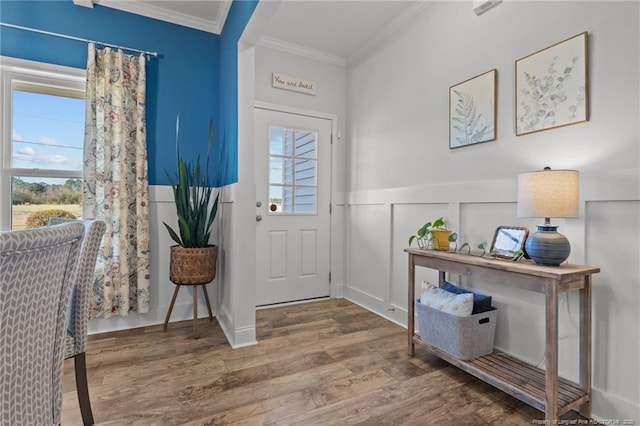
[[515, 377]]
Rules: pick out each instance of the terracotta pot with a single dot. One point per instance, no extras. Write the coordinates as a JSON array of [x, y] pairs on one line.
[[440, 239], [193, 265]]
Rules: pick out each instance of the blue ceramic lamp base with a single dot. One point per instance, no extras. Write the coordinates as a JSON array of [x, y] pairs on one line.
[[547, 246]]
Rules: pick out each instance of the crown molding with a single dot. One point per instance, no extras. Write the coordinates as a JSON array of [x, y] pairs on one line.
[[394, 25], [84, 3], [221, 18], [299, 50], [155, 12]]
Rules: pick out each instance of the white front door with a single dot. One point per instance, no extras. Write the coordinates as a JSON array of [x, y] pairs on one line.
[[293, 180]]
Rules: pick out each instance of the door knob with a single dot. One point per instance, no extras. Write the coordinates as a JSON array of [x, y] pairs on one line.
[[258, 218], [258, 203]]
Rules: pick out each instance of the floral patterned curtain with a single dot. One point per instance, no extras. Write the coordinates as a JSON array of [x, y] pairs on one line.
[[116, 187]]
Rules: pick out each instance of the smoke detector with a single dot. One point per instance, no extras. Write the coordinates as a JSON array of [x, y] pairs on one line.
[[481, 6]]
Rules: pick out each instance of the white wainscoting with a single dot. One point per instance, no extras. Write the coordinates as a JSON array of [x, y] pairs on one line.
[[162, 208], [606, 234]]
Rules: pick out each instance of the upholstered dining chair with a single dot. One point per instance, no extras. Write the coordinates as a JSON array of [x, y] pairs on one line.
[[79, 309], [37, 267]]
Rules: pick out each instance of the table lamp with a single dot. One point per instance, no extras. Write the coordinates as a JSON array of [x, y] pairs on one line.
[[548, 193]]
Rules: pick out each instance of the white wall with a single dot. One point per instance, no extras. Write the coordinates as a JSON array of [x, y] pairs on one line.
[[400, 173], [237, 290], [396, 171], [331, 89], [330, 99], [398, 97]]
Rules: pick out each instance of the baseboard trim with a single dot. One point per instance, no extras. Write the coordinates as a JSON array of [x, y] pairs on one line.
[[607, 407], [155, 316], [294, 302], [380, 314], [244, 336], [236, 337]]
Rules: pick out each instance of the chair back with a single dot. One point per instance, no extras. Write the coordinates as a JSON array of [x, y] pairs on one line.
[[83, 284], [37, 267]]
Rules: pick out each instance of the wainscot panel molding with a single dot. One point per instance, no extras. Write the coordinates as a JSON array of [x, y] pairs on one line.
[[432, 201], [606, 402], [617, 185], [162, 208], [396, 156], [379, 222], [368, 256], [164, 194], [498, 190], [160, 194]]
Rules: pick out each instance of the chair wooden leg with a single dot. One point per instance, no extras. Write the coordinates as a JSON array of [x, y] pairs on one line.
[[82, 387], [206, 298], [195, 312], [173, 300]]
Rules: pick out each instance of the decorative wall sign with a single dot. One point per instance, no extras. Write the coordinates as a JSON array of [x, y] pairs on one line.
[[286, 82], [472, 110], [552, 87]]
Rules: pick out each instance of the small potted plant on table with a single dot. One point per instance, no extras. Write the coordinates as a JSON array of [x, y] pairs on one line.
[[434, 234]]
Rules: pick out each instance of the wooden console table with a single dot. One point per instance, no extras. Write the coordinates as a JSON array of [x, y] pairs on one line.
[[542, 389]]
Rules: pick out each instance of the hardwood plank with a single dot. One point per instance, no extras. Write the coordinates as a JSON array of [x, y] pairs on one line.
[[261, 412], [321, 363]]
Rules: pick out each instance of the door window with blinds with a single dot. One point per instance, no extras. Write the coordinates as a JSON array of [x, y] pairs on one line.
[[293, 169]]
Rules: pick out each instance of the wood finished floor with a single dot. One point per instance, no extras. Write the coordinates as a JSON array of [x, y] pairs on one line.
[[322, 363]]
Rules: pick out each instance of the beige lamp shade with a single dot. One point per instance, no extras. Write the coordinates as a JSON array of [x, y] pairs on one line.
[[548, 193]]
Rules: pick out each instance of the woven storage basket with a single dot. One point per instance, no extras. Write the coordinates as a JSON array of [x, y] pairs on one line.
[[193, 265], [463, 337]]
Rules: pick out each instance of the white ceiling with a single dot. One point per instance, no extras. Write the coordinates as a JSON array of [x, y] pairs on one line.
[[335, 30], [339, 28]]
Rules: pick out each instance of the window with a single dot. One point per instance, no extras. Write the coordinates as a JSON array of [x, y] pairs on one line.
[[293, 165], [42, 140]]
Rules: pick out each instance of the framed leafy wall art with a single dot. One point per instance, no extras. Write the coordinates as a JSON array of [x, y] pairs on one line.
[[472, 110], [552, 86]]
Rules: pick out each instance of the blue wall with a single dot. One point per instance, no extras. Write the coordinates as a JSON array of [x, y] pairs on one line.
[[184, 79], [237, 20]]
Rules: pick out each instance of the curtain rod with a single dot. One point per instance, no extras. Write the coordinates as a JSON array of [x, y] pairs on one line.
[[86, 40]]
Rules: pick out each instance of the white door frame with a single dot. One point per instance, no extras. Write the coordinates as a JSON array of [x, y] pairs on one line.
[[332, 192]]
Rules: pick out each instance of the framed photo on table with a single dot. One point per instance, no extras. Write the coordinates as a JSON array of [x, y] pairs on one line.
[[508, 240], [552, 86]]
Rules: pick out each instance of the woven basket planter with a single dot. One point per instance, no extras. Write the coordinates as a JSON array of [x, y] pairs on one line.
[[193, 265]]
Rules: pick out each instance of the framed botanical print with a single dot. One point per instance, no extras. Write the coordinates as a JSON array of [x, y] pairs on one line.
[[472, 110], [552, 87]]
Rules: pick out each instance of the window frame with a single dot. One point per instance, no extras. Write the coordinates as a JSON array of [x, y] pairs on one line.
[[293, 185], [32, 73]]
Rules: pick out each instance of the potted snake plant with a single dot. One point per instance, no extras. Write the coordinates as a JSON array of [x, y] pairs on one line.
[[193, 259]]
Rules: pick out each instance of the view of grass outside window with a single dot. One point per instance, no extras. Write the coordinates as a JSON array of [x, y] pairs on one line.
[[34, 202], [46, 153]]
